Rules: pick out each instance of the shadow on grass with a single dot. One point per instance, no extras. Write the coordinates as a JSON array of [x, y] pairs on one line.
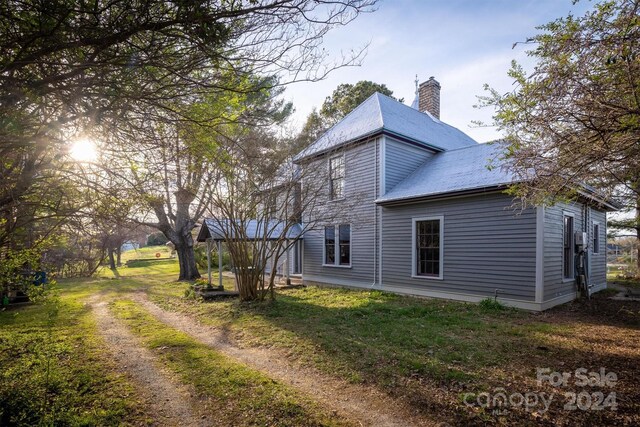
[[431, 352]]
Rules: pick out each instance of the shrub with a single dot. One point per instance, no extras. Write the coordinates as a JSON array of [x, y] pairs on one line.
[[201, 258], [491, 304], [157, 239]]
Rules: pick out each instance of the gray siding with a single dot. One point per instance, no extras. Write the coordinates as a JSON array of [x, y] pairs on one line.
[[598, 262], [358, 209], [554, 284], [400, 160], [487, 246]]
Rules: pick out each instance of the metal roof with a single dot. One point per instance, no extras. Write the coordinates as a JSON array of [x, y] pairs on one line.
[[380, 113], [470, 168], [253, 230]]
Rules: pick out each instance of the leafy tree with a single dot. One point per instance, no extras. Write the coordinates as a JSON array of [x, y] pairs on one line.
[[78, 67], [168, 166], [341, 102], [576, 118], [266, 195], [156, 239], [346, 97]]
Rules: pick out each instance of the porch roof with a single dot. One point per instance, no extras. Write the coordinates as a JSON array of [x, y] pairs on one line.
[[253, 229]]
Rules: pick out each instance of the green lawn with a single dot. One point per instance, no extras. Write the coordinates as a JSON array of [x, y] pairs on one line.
[[617, 279], [245, 396], [61, 374], [54, 371], [417, 349], [428, 353], [53, 367]]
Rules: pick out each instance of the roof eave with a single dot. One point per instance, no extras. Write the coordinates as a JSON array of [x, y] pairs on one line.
[[609, 205], [443, 195], [367, 136], [361, 138]]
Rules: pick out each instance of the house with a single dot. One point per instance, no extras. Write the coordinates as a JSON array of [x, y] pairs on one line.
[[412, 205], [433, 218]]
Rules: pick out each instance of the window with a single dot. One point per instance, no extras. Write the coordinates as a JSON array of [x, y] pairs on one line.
[[345, 244], [567, 247], [336, 178], [330, 245], [337, 245], [428, 247], [596, 238]]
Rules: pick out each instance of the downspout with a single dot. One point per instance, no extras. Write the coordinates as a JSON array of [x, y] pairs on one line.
[[381, 192], [376, 178], [588, 243]]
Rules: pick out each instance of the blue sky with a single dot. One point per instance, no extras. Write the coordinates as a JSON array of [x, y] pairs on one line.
[[462, 43]]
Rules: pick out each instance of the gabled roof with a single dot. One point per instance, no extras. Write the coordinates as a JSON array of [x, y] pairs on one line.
[[253, 230], [471, 168], [381, 113]]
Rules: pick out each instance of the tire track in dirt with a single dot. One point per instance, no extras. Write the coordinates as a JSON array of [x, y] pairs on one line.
[[166, 401], [363, 404]]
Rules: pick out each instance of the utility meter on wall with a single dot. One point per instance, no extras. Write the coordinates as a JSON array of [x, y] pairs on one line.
[[580, 239]]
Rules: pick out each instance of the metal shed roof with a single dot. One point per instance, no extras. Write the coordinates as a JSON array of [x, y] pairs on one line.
[[254, 230]]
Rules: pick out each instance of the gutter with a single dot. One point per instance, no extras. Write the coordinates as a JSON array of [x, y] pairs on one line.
[[444, 195], [609, 204]]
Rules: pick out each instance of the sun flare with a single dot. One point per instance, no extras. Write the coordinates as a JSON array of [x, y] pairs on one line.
[[84, 150]]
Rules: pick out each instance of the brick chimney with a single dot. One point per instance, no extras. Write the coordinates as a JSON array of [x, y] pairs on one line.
[[429, 97]]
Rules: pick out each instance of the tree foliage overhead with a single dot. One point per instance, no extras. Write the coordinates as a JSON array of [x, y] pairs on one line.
[[79, 68], [71, 67], [576, 117]]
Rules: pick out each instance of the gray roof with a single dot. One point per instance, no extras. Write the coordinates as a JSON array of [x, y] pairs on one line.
[[470, 168], [254, 230], [382, 113]]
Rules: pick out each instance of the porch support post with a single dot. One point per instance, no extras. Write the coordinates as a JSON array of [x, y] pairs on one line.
[[220, 263], [273, 259], [286, 264], [209, 259]]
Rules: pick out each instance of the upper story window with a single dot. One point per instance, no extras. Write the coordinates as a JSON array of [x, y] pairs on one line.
[[337, 245], [428, 247], [336, 177], [596, 238]]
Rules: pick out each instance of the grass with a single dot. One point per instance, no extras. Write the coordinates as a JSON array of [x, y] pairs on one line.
[[616, 278], [244, 396], [426, 352], [430, 352], [370, 336], [142, 269], [54, 371], [54, 368]]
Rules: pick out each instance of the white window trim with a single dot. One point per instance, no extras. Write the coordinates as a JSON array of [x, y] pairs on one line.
[[573, 244], [413, 247], [594, 250], [344, 177], [336, 246]]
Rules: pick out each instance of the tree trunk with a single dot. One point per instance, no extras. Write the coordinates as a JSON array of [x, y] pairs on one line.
[[186, 258], [638, 237], [112, 261], [119, 256]]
